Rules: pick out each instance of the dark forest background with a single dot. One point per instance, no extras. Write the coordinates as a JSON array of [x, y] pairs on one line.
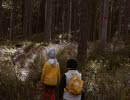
[[76, 21]]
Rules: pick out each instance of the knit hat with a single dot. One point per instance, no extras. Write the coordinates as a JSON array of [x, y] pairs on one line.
[[72, 63], [52, 53]]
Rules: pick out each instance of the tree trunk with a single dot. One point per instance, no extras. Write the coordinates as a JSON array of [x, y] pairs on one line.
[[128, 26], [13, 18], [27, 18], [53, 22], [41, 19], [48, 20], [104, 21], [95, 18], [1, 21], [110, 20], [57, 11], [38, 17], [30, 17], [82, 43], [70, 11], [120, 18], [63, 25], [126, 19], [75, 20]]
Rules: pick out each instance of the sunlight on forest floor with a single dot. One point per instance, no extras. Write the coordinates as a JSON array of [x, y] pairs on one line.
[[19, 56], [101, 81]]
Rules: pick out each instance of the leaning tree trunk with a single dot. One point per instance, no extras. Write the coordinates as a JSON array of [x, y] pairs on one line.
[[1, 28], [82, 43]]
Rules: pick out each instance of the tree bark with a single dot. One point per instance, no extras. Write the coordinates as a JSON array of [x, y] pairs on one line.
[[13, 18], [110, 21], [1, 21], [104, 20], [53, 22], [120, 18], [70, 11], [48, 20], [63, 25], [127, 19], [75, 20], [41, 19], [30, 17], [27, 18], [38, 17], [57, 11], [82, 43]]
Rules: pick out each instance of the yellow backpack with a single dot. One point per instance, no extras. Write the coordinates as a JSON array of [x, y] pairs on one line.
[[75, 85]]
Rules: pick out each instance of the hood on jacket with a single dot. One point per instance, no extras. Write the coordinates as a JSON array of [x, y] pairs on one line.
[[53, 62]]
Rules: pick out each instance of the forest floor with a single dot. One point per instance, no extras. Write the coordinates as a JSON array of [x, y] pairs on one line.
[[105, 78]]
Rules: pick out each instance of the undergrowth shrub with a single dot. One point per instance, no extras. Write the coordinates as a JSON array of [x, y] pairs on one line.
[[13, 86], [107, 73], [63, 55], [112, 59]]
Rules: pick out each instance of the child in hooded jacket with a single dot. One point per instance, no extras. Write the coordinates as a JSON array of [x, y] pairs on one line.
[[50, 76]]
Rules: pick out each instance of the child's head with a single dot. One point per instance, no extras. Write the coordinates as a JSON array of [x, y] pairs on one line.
[[51, 53], [72, 64]]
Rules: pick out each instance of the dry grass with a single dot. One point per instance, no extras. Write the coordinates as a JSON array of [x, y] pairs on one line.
[[106, 72]]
